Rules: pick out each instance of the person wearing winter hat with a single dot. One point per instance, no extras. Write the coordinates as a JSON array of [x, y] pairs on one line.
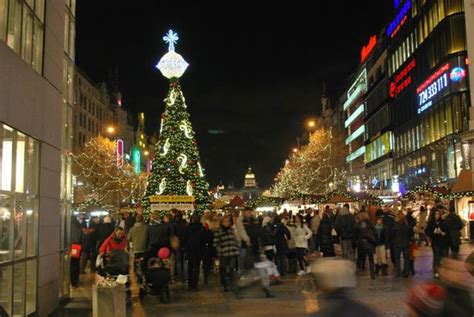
[[425, 300], [267, 238]]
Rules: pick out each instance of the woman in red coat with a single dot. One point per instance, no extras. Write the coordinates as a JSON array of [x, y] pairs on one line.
[[116, 241]]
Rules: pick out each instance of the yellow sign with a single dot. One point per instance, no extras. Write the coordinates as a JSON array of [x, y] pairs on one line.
[[171, 199]]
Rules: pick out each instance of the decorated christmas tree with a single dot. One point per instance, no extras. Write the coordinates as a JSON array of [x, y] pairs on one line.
[[176, 169]]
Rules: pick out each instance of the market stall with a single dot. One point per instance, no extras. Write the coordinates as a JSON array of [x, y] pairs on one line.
[[463, 194]]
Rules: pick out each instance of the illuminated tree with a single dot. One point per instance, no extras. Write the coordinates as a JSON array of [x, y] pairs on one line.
[[103, 182], [316, 168], [176, 168]]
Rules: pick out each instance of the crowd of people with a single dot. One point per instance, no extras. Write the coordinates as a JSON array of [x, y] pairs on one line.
[[242, 246]]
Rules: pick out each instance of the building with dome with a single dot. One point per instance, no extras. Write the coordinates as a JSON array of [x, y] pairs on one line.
[[248, 192]]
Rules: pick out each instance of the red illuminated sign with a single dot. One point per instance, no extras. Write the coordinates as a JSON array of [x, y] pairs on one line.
[[366, 50], [119, 149], [402, 80], [432, 78]]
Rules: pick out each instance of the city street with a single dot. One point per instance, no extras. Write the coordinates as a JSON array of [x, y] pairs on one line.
[[295, 297]]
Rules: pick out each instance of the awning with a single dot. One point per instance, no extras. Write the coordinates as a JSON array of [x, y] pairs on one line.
[[463, 182]]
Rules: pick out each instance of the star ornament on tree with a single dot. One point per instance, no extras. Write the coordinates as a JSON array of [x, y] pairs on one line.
[[172, 65]]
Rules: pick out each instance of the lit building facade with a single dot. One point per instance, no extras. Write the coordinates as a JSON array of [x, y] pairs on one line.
[[430, 110], [36, 59]]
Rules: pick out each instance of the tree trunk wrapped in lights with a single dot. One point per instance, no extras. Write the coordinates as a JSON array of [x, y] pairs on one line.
[[316, 168], [176, 168]]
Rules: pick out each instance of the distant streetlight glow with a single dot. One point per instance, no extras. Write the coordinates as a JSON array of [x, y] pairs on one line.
[[146, 153], [110, 130], [295, 150], [311, 124]]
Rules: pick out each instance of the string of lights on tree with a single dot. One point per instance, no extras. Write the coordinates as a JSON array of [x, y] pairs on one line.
[[96, 167], [316, 168], [176, 169]]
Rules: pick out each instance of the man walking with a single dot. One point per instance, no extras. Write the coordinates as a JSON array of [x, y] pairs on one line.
[[454, 225], [345, 224]]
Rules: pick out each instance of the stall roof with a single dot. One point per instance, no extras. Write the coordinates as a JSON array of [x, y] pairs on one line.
[[463, 182]]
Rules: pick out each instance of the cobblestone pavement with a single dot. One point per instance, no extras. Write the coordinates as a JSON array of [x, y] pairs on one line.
[[295, 297]]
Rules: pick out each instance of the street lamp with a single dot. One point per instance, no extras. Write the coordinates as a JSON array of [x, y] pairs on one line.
[[311, 124], [295, 150], [110, 130], [146, 153]]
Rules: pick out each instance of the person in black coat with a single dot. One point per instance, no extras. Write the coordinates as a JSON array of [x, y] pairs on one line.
[[389, 222], [366, 241], [267, 238], [179, 229], [402, 234], [438, 234], [194, 242], [104, 230], [76, 238], [209, 252], [454, 226], [325, 235], [282, 234]]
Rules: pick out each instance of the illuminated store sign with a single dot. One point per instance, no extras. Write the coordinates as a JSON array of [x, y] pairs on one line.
[[457, 74], [399, 20], [136, 159], [366, 50], [441, 82], [402, 80], [119, 151]]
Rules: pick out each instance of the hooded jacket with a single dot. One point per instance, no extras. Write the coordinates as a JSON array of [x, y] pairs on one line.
[[112, 243]]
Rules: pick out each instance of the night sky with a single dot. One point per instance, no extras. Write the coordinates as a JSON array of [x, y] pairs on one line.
[[255, 74]]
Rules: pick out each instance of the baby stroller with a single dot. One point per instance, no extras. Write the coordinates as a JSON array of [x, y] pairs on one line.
[[156, 281], [118, 263]]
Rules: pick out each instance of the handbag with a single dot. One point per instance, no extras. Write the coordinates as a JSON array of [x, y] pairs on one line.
[[76, 251]]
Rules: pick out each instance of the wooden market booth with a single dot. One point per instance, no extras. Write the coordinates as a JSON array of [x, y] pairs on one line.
[[463, 195]]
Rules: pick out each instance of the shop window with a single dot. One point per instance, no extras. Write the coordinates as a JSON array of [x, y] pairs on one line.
[[18, 220]]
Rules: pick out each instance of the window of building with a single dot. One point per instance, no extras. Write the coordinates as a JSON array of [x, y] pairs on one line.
[[22, 28], [19, 158]]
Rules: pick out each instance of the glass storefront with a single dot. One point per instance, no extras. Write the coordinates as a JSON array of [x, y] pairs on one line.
[[19, 165]]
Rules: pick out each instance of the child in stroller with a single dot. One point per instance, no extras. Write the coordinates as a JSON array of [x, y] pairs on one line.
[[118, 263], [157, 279]]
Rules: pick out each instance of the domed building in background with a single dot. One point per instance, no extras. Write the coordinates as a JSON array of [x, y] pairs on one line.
[[250, 181], [248, 192]]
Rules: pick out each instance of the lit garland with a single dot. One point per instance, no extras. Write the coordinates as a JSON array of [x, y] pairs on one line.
[[182, 158], [187, 130], [424, 189], [166, 147], [189, 188]]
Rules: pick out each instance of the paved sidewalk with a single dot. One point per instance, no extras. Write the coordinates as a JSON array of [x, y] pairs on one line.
[[295, 297]]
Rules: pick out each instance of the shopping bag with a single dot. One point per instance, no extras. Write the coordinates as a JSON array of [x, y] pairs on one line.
[[99, 261], [76, 251]]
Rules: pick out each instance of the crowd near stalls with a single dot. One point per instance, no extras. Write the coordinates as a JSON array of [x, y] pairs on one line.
[[240, 247]]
